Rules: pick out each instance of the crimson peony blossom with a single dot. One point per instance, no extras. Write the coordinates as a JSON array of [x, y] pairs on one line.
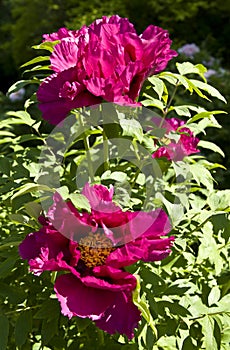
[[91, 251], [185, 145], [105, 61]]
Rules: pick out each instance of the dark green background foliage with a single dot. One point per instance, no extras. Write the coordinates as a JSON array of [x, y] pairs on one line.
[[185, 298], [23, 22]]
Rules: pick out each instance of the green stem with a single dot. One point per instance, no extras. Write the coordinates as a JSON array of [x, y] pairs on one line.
[[105, 151], [169, 103], [87, 149]]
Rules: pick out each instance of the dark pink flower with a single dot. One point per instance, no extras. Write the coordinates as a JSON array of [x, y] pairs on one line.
[[110, 62], [185, 145], [92, 250]]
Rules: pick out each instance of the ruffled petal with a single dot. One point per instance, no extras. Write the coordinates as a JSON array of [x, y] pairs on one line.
[[72, 225], [97, 193], [65, 55], [147, 244], [53, 104], [107, 277], [77, 299]]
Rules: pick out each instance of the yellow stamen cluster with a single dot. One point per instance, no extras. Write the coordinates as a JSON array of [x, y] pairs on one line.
[[94, 249]]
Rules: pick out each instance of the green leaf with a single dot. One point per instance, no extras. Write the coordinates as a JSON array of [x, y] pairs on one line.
[[22, 83], [214, 296], [33, 209], [7, 266], [4, 332], [23, 327], [23, 116], [202, 175], [5, 166], [158, 85], [119, 176], [49, 329], [209, 341], [14, 294], [132, 127], [49, 310], [212, 146], [30, 187], [36, 60], [80, 201], [143, 307], [170, 77], [46, 45], [153, 102], [182, 110], [208, 88], [206, 114], [189, 68]]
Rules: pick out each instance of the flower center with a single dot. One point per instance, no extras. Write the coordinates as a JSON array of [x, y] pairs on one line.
[[94, 249]]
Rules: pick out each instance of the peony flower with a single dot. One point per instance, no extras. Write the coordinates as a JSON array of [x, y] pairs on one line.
[[184, 146], [189, 50], [91, 251], [105, 61]]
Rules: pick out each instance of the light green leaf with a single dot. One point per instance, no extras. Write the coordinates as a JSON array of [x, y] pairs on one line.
[[23, 116], [170, 77], [4, 332], [209, 341], [153, 102], [36, 60], [132, 127], [63, 191], [182, 110], [208, 88], [143, 307], [6, 133], [119, 176], [202, 175], [206, 114], [30, 187], [80, 201], [214, 296], [212, 146], [158, 85], [189, 68], [46, 45]]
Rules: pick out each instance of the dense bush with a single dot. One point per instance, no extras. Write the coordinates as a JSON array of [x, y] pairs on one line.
[[184, 299]]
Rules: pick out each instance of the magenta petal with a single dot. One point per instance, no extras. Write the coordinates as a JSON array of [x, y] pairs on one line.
[[121, 317], [146, 230], [60, 34], [65, 55], [72, 225], [53, 104], [97, 193], [76, 299], [110, 278]]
